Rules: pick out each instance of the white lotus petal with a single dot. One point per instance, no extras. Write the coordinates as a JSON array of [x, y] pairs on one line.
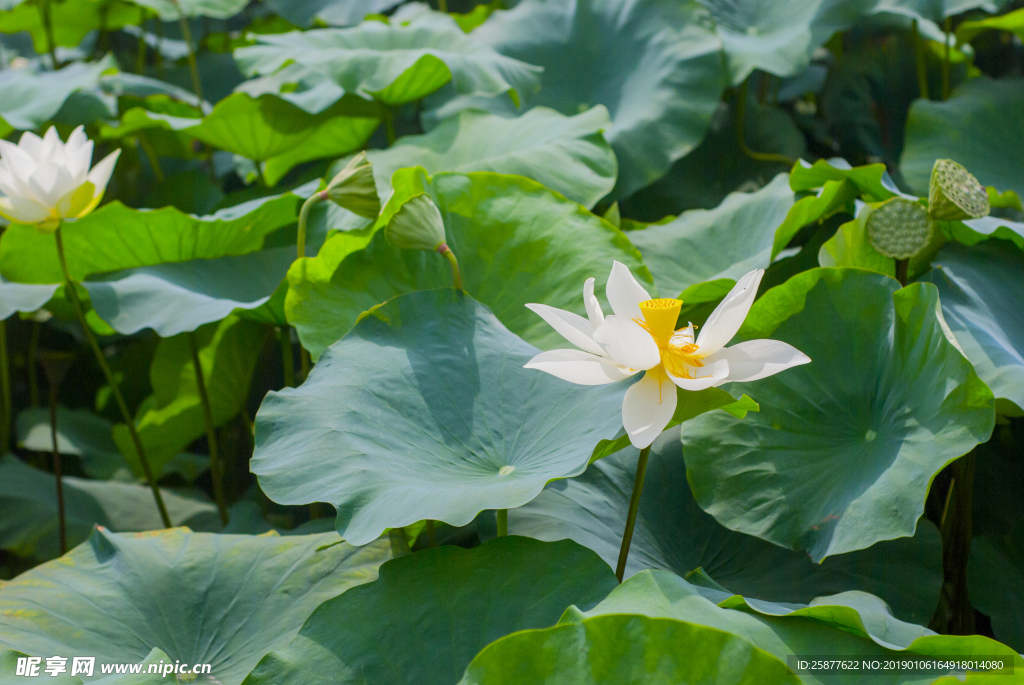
[[23, 210], [78, 162], [19, 163], [708, 376], [648, 407], [756, 359], [594, 312], [624, 293], [50, 183], [728, 316], [100, 174], [53, 147], [581, 368], [75, 141], [627, 343], [31, 144], [572, 327], [10, 185], [684, 336]]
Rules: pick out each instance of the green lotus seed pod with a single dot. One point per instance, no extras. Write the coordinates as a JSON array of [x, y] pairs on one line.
[[417, 225], [899, 228], [954, 194], [354, 189]]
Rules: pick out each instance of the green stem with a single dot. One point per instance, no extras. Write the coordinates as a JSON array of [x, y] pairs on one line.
[[216, 473], [389, 122], [33, 360], [450, 256], [442, 5], [634, 506], [51, 44], [741, 112], [62, 529], [307, 206], [945, 62], [287, 356], [305, 363], [69, 286], [186, 34], [922, 68], [140, 54], [902, 267], [399, 543], [5, 392], [150, 152], [502, 522], [431, 534], [957, 531]]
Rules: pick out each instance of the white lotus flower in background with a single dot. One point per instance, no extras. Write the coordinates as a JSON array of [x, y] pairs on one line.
[[641, 336], [46, 180]]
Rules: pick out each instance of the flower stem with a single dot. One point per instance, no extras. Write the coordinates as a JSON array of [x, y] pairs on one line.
[[287, 356], [216, 472], [62, 528], [5, 392], [399, 543], [186, 35], [922, 69], [69, 286], [442, 5], [456, 273], [51, 44], [431, 534], [33, 360], [634, 505], [902, 268], [307, 206], [957, 530], [741, 111], [948, 27], [502, 522]]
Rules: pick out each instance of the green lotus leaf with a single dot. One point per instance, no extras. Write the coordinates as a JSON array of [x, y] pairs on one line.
[[626, 649], [995, 569], [332, 12], [719, 244], [778, 39], [71, 20], [717, 167], [424, 411], [1011, 21], [844, 449], [28, 504], [80, 433], [29, 97], [834, 197], [172, 417], [182, 296], [853, 624], [974, 128], [567, 154], [517, 242], [656, 65], [974, 231], [273, 130], [9, 664], [851, 247], [172, 10], [934, 10], [398, 629], [116, 237], [672, 533], [871, 179], [391, 63], [23, 297], [981, 291], [224, 600]]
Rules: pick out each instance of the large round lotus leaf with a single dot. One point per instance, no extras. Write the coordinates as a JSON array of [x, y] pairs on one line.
[[70, 20], [182, 296], [80, 433], [995, 574], [982, 293], [981, 127], [672, 533], [332, 12], [393, 63], [703, 178], [29, 98], [427, 615], [224, 600], [116, 237], [566, 154], [23, 297], [720, 245], [171, 10], [844, 449], [423, 411], [517, 242], [848, 625], [625, 649], [655, 64], [934, 10], [28, 509]]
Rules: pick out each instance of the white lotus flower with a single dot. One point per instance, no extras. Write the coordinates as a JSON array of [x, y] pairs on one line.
[[641, 336], [46, 180]]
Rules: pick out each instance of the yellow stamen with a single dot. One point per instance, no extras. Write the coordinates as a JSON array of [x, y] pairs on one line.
[[660, 318]]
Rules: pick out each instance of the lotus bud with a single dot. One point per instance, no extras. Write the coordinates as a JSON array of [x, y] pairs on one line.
[[417, 225], [899, 228], [354, 189], [955, 194]]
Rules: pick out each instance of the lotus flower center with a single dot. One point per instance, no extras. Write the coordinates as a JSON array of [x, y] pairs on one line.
[[659, 319]]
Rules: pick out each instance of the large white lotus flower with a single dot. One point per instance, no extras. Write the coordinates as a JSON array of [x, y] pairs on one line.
[[641, 336], [46, 180]]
